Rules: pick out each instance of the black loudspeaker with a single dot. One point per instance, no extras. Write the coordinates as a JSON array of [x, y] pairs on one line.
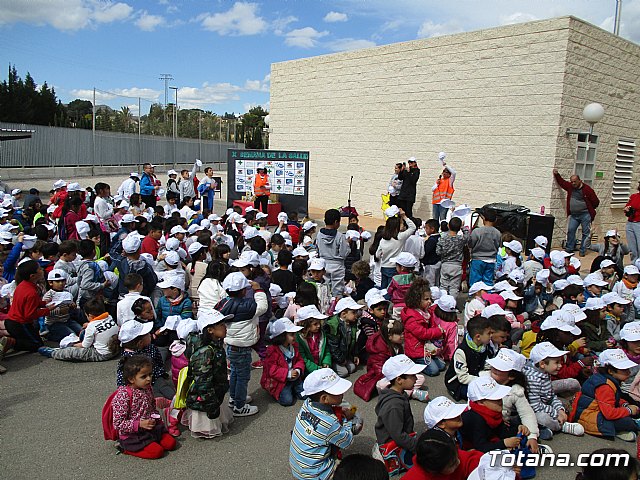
[[540, 225], [510, 218]]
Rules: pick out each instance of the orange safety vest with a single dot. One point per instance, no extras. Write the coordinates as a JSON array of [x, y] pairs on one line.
[[443, 191], [261, 185]]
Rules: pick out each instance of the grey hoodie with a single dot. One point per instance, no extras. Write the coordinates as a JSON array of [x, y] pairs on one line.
[[332, 245], [395, 420]]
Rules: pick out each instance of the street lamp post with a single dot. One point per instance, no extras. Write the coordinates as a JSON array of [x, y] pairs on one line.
[[175, 127]]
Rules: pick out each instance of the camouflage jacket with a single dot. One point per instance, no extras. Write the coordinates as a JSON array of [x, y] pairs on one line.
[[208, 370]]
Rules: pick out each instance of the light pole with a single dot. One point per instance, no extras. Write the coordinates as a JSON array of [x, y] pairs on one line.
[[175, 126]]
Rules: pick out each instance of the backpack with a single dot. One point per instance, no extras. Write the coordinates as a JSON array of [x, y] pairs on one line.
[[110, 433]]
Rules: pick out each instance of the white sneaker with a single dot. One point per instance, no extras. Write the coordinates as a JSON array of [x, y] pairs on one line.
[[544, 449], [626, 436], [573, 429], [247, 400], [245, 411], [375, 452]]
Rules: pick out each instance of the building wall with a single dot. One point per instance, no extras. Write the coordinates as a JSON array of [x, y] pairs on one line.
[[491, 99], [600, 68]]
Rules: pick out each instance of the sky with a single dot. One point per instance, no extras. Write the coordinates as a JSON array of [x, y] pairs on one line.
[[219, 52]]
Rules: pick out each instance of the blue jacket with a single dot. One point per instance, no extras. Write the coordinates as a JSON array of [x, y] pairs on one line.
[[116, 247], [531, 299], [164, 309], [147, 186], [243, 309], [11, 262], [142, 268]]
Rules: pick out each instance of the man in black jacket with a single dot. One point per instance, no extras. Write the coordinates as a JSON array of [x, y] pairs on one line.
[[409, 177]]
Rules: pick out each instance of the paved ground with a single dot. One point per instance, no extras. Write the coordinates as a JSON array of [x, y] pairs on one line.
[[50, 425]]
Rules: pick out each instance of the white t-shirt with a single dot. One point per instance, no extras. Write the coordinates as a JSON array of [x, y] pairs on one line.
[[99, 333], [123, 312]]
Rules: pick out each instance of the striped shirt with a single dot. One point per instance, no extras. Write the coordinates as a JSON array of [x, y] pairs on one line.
[[316, 437]]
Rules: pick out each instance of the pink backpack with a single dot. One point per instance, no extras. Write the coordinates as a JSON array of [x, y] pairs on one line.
[[110, 433]]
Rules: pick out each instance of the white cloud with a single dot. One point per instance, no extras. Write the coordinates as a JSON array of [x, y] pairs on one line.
[[258, 85], [133, 92], [429, 29], [148, 22], [280, 24], [248, 106], [241, 19], [306, 37], [344, 44], [111, 12], [517, 17], [629, 21], [391, 25], [332, 17]]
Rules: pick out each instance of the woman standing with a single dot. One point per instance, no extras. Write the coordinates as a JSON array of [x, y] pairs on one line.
[[442, 189], [395, 185], [261, 189], [398, 228], [632, 211]]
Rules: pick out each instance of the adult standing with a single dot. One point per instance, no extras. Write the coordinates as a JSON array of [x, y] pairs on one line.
[[443, 189], [398, 228], [632, 211], [582, 202], [409, 177], [128, 186], [394, 185], [148, 186], [261, 189]]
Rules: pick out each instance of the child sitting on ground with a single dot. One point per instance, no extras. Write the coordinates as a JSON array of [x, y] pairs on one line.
[[370, 320], [538, 297], [312, 342], [443, 414], [100, 342], [400, 283], [599, 407], [593, 286], [615, 310], [61, 320], [445, 314], [341, 329], [469, 358], [476, 303], [283, 368], [207, 415], [133, 284], [395, 420], [282, 275], [322, 428], [594, 328], [545, 361], [317, 273], [178, 348], [625, 288], [500, 334], [630, 344], [362, 283], [174, 301], [91, 279], [421, 331]]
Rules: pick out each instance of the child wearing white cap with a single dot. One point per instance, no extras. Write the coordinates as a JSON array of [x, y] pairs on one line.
[[59, 321], [442, 413], [612, 248], [625, 288], [593, 285], [317, 277], [319, 433], [546, 360], [395, 420], [615, 311], [594, 327], [174, 301], [538, 296], [476, 303], [599, 407], [630, 344], [283, 368], [391, 245], [311, 339], [341, 331], [401, 282]]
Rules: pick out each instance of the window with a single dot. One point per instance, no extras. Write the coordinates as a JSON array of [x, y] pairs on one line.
[[586, 157], [622, 176]]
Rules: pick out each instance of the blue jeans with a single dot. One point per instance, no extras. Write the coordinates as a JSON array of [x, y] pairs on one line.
[[240, 362], [633, 239], [291, 391], [433, 369], [57, 331], [480, 271], [583, 219], [439, 212], [387, 274]]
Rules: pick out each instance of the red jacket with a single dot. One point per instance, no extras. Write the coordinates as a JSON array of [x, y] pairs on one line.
[[275, 369], [150, 245], [417, 331], [379, 352], [469, 461], [27, 304], [634, 201], [590, 197]]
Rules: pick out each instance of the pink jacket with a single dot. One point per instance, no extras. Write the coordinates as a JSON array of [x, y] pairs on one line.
[[275, 369], [450, 341], [418, 329], [178, 360], [127, 412]]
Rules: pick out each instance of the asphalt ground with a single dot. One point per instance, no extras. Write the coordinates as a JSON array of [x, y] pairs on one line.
[[50, 425]]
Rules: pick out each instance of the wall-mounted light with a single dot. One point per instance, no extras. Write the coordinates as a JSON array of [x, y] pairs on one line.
[[592, 114]]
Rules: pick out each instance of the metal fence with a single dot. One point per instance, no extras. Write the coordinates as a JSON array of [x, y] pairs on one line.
[[70, 147]]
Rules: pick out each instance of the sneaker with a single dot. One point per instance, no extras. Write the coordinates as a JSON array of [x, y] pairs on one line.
[[256, 364], [544, 449], [246, 400], [4, 346], [626, 436], [245, 411], [573, 429], [44, 331], [545, 434], [46, 351], [420, 395]]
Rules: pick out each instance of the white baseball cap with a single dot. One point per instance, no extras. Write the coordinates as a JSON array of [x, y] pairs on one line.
[[352, 235], [300, 252], [392, 211], [538, 253], [400, 365], [347, 303], [491, 310], [177, 229], [282, 217], [282, 325], [59, 184], [83, 229], [307, 312], [631, 270], [185, 327], [613, 297], [28, 241], [250, 232], [507, 360], [172, 172], [594, 303], [560, 285], [249, 209], [128, 218], [461, 211], [214, 218], [133, 329], [502, 286], [172, 281], [545, 350], [513, 245], [575, 280], [375, 300], [442, 408], [517, 275], [16, 191], [234, 282], [325, 380], [308, 225], [630, 332], [510, 295], [541, 241], [134, 174], [616, 358], [261, 215], [211, 317], [195, 247], [476, 287], [607, 262], [575, 311], [447, 303], [557, 258], [131, 244], [562, 321], [6, 238], [486, 388], [247, 258], [172, 258], [406, 260], [317, 264], [366, 236], [171, 323], [56, 275], [593, 279], [74, 187], [611, 233], [194, 227]]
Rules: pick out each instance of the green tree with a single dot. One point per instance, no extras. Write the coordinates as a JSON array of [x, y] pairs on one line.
[[79, 113]]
